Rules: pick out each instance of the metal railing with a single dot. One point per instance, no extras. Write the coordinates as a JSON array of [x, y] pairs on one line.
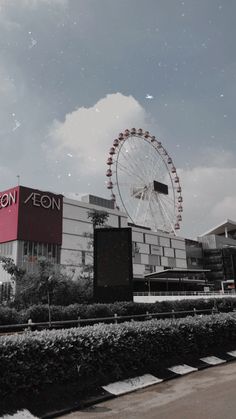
[[169, 293], [59, 324]]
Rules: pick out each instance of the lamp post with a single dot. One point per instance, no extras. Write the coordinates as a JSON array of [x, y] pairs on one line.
[[149, 286], [49, 303]]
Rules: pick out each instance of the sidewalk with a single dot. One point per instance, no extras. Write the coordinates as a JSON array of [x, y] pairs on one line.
[[206, 394]]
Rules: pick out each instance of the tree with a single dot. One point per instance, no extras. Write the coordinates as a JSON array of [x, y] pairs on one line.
[[48, 285], [98, 219], [16, 274], [47, 282], [10, 267]]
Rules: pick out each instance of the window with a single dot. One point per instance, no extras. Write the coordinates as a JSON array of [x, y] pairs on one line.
[[6, 249], [34, 250], [150, 268]]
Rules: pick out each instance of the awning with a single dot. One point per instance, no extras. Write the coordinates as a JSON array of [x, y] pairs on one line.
[[177, 274], [172, 280]]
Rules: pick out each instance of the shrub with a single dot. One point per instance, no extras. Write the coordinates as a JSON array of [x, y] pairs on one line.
[[103, 353], [39, 313], [8, 316], [98, 310]]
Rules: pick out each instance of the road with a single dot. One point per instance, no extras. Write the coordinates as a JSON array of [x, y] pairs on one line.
[[206, 394]]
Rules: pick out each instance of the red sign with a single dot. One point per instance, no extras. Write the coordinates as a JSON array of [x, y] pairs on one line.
[[30, 215], [9, 206]]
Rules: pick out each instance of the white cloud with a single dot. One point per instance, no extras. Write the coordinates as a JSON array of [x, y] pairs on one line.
[[33, 3], [88, 133], [209, 197], [8, 89], [226, 208], [217, 157], [6, 7], [38, 3], [6, 174], [8, 98]]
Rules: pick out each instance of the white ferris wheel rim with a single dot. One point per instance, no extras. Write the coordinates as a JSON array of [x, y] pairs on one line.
[[140, 160]]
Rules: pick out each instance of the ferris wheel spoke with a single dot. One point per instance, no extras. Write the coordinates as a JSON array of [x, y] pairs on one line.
[[161, 170], [163, 222], [136, 216], [131, 199], [131, 163], [167, 202], [169, 214], [158, 166], [128, 170], [153, 169], [139, 153], [158, 217], [155, 166], [135, 188], [157, 169], [146, 161], [166, 198], [161, 218], [148, 206], [141, 207], [140, 168]]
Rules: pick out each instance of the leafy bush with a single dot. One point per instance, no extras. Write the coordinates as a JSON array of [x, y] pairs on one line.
[[64, 291], [8, 316], [39, 313], [103, 353], [98, 310]]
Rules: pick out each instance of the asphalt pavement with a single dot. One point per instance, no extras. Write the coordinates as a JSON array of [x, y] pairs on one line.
[[206, 394]]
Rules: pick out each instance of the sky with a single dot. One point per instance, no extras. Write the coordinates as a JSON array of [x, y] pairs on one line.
[[75, 73]]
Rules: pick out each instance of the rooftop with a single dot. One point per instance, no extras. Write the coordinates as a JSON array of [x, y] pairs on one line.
[[228, 225]]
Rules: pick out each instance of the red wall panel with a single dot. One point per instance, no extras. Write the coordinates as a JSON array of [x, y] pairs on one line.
[[31, 215], [40, 216], [9, 206]]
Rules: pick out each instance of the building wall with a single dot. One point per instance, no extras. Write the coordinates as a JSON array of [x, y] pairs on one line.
[[155, 251], [194, 253], [212, 241], [222, 241], [208, 242], [159, 298], [219, 255], [152, 251], [77, 232]]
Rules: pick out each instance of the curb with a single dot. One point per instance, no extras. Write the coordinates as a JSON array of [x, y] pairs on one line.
[[120, 388], [137, 383]]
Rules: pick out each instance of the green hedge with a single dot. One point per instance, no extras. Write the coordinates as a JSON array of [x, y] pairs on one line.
[[101, 354], [39, 313], [9, 316]]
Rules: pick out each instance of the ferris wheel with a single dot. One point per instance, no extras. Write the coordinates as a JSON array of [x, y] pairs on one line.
[[143, 181]]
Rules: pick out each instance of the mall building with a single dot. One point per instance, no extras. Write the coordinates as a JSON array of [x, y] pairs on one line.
[[36, 224]]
